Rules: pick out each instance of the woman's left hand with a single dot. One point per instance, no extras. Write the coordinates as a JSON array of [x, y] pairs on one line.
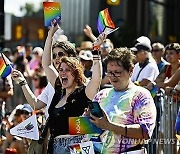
[[101, 38], [102, 122]]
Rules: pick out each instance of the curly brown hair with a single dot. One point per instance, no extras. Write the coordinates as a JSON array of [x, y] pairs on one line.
[[123, 56], [67, 46], [173, 46], [77, 69]]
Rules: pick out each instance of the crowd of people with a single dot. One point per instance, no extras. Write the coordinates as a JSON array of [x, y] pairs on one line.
[[60, 81]]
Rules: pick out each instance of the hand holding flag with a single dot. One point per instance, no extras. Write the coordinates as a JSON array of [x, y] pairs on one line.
[[100, 39]]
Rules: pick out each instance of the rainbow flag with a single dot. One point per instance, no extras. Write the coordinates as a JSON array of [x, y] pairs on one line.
[[82, 125], [52, 10], [5, 66], [104, 21]]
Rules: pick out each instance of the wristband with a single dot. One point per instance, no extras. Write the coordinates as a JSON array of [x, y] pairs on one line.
[[22, 83], [96, 52]]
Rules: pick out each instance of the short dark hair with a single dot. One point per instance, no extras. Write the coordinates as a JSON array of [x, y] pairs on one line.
[[123, 56], [173, 46], [67, 46]]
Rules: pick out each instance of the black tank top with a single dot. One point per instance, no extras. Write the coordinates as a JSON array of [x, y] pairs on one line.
[[75, 105]]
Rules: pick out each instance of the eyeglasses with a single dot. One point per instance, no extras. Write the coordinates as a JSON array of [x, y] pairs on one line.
[[114, 74], [60, 54]]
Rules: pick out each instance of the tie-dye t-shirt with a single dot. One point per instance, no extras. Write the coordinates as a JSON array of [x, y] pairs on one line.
[[134, 106]]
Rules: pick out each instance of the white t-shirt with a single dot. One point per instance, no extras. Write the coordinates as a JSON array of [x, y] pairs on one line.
[[46, 97], [149, 72]]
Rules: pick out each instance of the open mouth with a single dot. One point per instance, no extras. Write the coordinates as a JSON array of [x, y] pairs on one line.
[[64, 80]]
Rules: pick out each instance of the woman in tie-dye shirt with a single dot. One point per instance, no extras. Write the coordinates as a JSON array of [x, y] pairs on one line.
[[129, 110]]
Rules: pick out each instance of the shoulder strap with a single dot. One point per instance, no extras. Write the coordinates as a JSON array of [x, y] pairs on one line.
[[59, 93], [141, 69]]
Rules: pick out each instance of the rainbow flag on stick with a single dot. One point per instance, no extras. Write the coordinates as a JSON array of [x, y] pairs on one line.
[[5, 66], [104, 23], [52, 10]]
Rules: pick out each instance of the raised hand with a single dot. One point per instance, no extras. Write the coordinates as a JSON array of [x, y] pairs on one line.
[[88, 31], [17, 76], [101, 38], [54, 27]]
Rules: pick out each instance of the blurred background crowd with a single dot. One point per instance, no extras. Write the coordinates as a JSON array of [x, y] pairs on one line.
[[22, 41]]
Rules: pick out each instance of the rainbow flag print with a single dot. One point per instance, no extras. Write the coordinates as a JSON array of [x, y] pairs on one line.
[[104, 21], [82, 125], [52, 10], [5, 66], [154, 91]]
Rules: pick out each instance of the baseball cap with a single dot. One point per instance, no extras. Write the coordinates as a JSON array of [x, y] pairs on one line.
[[142, 43], [6, 50], [143, 39], [86, 55], [38, 50], [27, 108]]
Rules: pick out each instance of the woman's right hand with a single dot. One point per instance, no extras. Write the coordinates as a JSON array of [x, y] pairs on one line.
[[54, 27], [17, 76]]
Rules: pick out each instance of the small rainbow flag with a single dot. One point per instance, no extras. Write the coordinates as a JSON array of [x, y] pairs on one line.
[[52, 10], [5, 66], [104, 21], [82, 125]]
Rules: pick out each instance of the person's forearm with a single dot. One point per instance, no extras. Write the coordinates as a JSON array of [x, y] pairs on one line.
[[92, 37], [97, 72], [46, 57], [133, 131], [94, 84], [30, 97], [171, 82]]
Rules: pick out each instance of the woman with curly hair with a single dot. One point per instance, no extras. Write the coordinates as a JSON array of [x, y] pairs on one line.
[[71, 95], [129, 112]]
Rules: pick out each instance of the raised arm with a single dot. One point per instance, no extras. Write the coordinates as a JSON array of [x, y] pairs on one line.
[[94, 84], [47, 64], [88, 32], [30, 97]]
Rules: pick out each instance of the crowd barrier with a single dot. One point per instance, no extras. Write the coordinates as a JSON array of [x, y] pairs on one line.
[[164, 140]]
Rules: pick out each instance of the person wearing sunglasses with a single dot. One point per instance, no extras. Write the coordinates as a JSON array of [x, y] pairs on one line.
[[129, 112], [72, 97], [158, 53], [59, 49], [168, 75], [145, 70]]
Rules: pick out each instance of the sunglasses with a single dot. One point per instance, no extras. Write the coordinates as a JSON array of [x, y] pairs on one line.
[[60, 54], [114, 74], [156, 50]]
